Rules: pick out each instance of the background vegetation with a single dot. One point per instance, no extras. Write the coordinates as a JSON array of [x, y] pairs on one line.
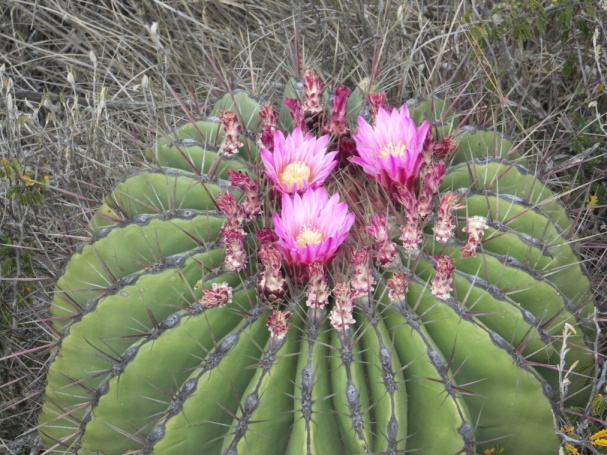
[[85, 86]]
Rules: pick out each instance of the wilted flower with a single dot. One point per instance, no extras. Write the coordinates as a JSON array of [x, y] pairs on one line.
[[233, 232], [235, 254], [251, 206], [475, 227], [317, 292], [390, 151], [385, 249], [397, 286], [231, 141], [311, 227], [299, 161], [443, 228], [362, 277], [271, 284], [278, 323], [441, 284], [219, 295], [341, 314]]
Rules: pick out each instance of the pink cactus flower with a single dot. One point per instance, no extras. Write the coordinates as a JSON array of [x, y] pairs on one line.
[[390, 151], [299, 161], [311, 227]]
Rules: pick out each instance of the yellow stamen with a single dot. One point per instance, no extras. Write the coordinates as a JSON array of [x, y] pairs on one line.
[[393, 148], [295, 172], [308, 236]]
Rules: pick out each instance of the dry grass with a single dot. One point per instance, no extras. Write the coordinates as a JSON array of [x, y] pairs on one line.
[[86, 85]]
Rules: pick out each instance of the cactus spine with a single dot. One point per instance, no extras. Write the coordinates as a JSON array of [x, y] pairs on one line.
[[142, 366]]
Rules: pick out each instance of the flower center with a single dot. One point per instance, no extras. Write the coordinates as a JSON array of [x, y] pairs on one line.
[[295, 172], [308, 236], [393, 148]]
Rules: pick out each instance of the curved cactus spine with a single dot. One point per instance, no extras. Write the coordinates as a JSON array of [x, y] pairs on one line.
[[415, 357]]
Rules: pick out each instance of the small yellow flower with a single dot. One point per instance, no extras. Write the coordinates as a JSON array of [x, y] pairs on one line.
[[572, 450], [598, 438], [28, 180], [592, 201], [566, 429]]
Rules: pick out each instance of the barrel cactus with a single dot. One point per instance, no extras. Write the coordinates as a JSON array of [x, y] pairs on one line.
[[339, 278]]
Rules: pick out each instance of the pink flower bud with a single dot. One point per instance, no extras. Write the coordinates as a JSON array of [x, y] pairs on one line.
[[313, 94], [338, 126], [296, 113], [441, 284], [269, 123], [377, 100], [219, 295]]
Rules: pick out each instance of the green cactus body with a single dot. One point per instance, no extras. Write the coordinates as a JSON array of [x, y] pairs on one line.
[[142, 366]]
